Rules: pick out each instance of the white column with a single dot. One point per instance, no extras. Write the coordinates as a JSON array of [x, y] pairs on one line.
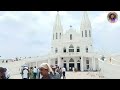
[[93, 63], [81, 64], [67, 62], [75, 64], [59, 61]]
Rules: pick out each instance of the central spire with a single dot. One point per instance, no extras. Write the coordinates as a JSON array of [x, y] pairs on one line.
[[57, 25], [85, 21]]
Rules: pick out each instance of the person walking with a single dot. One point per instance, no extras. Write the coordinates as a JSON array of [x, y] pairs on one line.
[[56, 75], [63, 71], [38, 73], [25, 73], [31, 75], [73, 69], [35, 72], [22, 68], [60, 72]]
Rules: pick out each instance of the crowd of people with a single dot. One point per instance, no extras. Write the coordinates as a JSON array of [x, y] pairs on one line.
[[45, 71]]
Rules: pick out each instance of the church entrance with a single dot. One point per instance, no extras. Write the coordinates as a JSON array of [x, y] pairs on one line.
[[71, 64], [65, 66], [78, 65]]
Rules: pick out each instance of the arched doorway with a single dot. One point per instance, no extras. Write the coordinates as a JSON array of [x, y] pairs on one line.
[[65, 65], [71, 64], [78, 65]]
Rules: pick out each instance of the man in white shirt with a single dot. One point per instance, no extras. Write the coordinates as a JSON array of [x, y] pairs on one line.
[[63, 70], [35, 72], [25, 73]]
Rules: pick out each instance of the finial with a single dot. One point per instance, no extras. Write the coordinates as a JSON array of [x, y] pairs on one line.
[[57, 12]]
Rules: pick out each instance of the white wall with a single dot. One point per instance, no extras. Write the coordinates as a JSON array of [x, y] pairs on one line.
[[96, 64]]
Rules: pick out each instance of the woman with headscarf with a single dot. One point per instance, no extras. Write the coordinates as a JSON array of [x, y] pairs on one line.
[[46, 71]]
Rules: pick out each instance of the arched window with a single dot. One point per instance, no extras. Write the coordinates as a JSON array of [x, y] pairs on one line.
[[78, 49], [89, 33], [70, 36], [71, 48], [56, 62], [53, 36], [60, 35], [82, 33], [86, 49], [87, 61], [71, 60], [56, 35], [85, 33], [56, 50], [64, 50]]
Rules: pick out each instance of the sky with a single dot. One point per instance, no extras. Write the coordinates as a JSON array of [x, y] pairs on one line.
[[29, 33]]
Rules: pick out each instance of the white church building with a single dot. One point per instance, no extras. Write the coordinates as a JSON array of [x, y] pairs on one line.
[[74, 48]]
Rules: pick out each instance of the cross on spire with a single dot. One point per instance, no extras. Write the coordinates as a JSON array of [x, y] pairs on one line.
[[57, 12]]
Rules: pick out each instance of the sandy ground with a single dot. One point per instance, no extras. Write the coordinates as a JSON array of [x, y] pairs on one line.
[[74, 75]]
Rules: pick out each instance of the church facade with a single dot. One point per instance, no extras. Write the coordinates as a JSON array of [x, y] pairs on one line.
[[72, 48]]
